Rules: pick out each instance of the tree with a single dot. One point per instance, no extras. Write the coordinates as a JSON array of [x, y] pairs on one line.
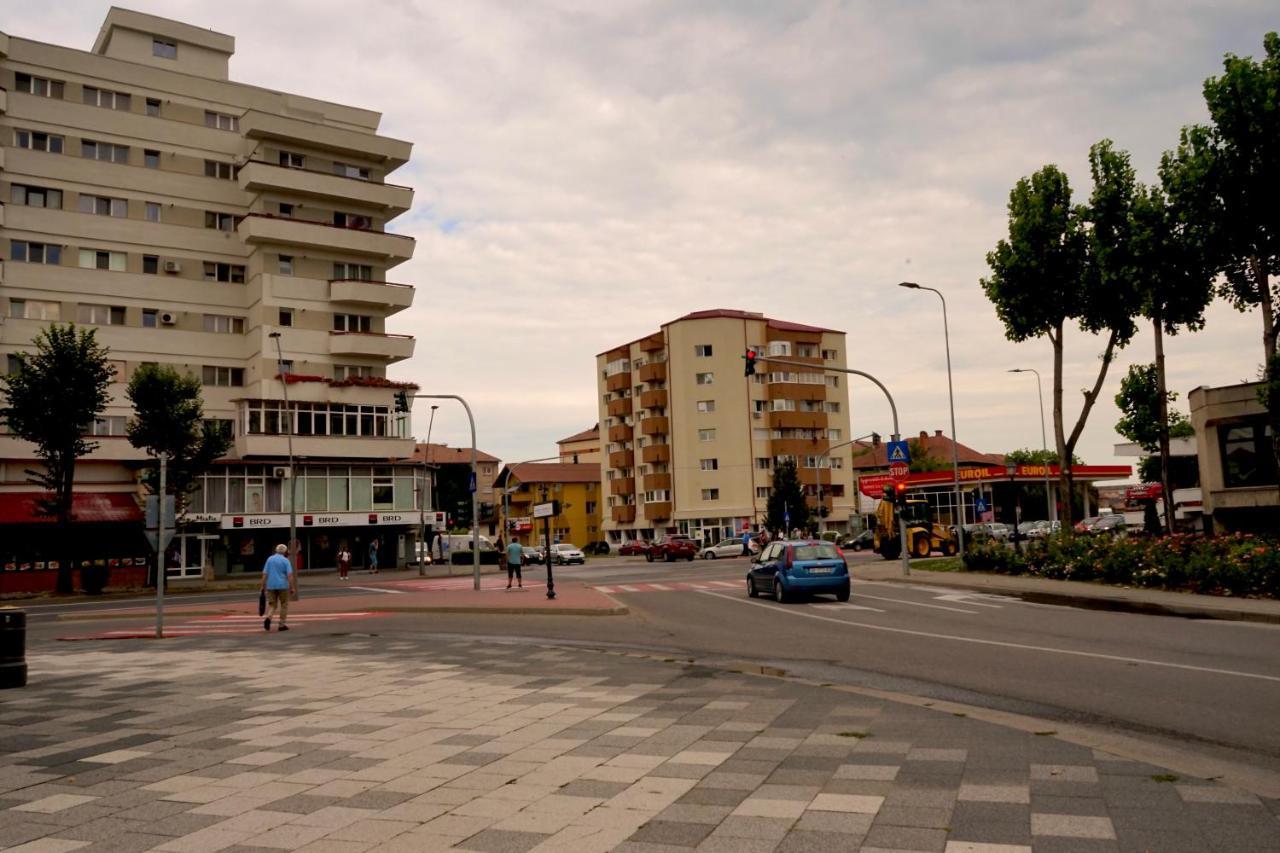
[[1027, 456], [786, 499], [923, 460], [1140, 406], [1065, 263], [169, 420], [51, 401]]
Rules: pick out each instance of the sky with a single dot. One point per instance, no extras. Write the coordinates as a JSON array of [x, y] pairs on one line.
[[586, 170]]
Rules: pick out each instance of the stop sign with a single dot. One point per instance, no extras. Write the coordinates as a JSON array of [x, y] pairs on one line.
[[899, 470]]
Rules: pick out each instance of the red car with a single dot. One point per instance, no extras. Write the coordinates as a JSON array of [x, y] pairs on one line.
[[672, 548], [633, 548]]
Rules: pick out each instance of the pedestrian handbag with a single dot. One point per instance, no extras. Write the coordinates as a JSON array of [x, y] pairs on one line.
[[262, 602]]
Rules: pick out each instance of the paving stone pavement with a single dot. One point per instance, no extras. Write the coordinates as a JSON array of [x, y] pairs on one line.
[[331, 744]]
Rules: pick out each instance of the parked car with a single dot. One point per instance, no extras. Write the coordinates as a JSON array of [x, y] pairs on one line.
[[633, 548], [859, 542], [1112, 525], [990, 530], [672, 548], [1084, 525], [599, 547], [728, 548], [786, 569], [564, 553], [1043, 529]]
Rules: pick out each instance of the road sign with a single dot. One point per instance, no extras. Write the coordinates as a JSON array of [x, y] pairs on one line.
[[153, 514], [897, 452], [546, 510], [473, 482], [979, 505], [899, 471], [168, 537]]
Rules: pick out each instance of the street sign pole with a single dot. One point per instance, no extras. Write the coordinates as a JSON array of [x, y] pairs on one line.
[[160, 550]]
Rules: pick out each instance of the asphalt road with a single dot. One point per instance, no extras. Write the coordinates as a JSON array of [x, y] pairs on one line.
[[1207, 686]]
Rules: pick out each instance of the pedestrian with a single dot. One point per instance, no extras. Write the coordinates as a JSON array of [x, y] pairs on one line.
[[344, 562], [515, 556], [746, 542], [373, 556], [278, 581]]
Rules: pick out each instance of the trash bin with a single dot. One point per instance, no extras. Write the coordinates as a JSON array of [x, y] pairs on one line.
[[13, 649]]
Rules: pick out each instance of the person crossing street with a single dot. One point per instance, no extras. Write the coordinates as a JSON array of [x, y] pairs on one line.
[[278, 581]]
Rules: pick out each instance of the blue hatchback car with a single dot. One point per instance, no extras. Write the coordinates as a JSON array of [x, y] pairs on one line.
[[786, 569]]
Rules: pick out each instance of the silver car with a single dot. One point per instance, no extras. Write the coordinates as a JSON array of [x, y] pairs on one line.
[[563, 552], [728, 548]]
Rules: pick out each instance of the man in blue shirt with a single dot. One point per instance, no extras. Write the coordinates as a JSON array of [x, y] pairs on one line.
[[278, 580], [515, 556]]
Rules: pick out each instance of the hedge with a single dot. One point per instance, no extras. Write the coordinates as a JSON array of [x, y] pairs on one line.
[[1238, 565]]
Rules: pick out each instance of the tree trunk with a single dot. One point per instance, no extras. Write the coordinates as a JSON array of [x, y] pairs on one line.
[[1167, 497], [1059, 437], [1090, 397]]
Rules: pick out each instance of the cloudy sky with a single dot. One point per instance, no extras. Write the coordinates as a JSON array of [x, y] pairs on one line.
[[588, 169]]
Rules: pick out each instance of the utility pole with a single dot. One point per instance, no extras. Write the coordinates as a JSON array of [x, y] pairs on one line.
[[161, 505], [475, 504], [425, 550]]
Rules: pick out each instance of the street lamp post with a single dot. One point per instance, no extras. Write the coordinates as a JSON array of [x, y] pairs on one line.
[[955, 452], [1012, 472], [508, 492], [424, 494], [1050, 507], [475, 504], [827, 453], [288, 434]]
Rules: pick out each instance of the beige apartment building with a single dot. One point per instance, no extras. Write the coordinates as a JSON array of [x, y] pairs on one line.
[[189, 218], [689, 443]]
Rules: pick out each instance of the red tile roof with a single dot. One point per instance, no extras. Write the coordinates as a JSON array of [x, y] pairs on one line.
[[553, 472], [593, 433], [869, 458], [735, 314], [443, 454]]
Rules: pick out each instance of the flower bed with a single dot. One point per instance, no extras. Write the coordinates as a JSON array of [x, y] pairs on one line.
[[1239, 565]]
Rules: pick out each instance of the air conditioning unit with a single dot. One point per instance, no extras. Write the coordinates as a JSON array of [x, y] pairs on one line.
[[757, 415], [280, 472], [168, 318], [172, 266]]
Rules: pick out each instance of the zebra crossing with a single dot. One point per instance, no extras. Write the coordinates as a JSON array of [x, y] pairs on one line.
[[668, 586]]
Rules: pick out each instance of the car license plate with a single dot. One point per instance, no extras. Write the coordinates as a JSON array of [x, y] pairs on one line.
[[820, 570]]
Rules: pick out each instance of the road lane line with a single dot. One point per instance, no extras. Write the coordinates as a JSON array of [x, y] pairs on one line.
[[847, 607], [915, 603], [961, 598], [629, 588], [999, 643], [379, 589], [661, 587]]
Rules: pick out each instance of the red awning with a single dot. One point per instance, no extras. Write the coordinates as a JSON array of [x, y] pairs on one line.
[[86, 508]]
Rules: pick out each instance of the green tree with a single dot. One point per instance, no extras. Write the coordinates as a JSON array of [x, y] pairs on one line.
[[1141, 406], [787, 498], [1027, 456], [923, 460], [169, 419], [51, 401], [1064, 263]]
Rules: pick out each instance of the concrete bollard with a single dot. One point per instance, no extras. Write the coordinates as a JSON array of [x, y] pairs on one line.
[[13, 649]]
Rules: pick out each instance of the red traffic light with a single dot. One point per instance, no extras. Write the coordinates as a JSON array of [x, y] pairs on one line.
[[750, 359]]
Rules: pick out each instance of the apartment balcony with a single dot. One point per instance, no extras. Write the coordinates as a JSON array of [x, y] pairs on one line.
[[353, 143], [621, 432], [655, 426], [619, 408], [654, 372], [795, 391], [655, 453], [798, 420], [657, 509], [618, 382], [385, 295], [622, 486], [257, 176], [656, 399], [371, 345], [825, 476], [796, 447], [653, 343], [259, 228], [623, 514], [827, 501], [317, 446], [656, 482], [622, 459]]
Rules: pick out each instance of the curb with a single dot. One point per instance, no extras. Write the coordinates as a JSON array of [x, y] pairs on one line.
[[615, 610]]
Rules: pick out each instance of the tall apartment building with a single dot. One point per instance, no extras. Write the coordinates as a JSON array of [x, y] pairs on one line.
[[689, 443], [188, 218]]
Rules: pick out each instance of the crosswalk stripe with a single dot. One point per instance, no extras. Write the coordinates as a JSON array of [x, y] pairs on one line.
[[726, 584], [629, 588], [661, 587]]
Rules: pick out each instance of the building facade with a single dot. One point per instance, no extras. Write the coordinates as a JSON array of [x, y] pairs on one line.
[[575, 485], [452, 467], [581, 447], [689, 443], [1239, 480], [190, 219]]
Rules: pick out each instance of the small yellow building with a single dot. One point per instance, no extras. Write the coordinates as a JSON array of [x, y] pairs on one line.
[[575, 485]]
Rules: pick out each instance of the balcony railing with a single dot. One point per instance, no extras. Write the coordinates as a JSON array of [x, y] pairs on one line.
[[371, 344]]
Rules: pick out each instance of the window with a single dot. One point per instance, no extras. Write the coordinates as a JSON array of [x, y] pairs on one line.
[[762, 492], [214, 271], [353, 272], [95, 259], [217, 169], [763, 463], [352, 220], [164, 49], [107, 99], [833, 381], [781, 405], [221, 121], [35, 253], [150, 158], [702, 350], [153, 107], [226, 377], [832, 407], [286, 317], [352, 371], [806, 351], [1247, 459], [221, 426], [351, 322], [779, 348], [834, 435], [39, 86], [829, 355], [35, 196], [286, 210], [290, 160], [348, 171], [704, 378], [38, 141], [759, 434], [102, 206], [150, 318], [34, 309], [108, 425], [151, 264], [219, 221], [706, 435], [710, 464], [104, 151], [100, 315], [286, 265], [711, 494], [153, 211], [223, 324]]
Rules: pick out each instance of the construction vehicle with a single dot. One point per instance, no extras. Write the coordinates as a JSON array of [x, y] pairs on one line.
[[924, 535]]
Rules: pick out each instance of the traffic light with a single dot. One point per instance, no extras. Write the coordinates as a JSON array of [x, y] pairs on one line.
[[402, 401], [750, 359], [899, 494], [875, 439]]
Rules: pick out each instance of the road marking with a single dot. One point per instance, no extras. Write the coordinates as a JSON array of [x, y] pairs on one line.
[[1000, 643], [605, 589], [847, 607], [655, 586], [379, 589], [916, 603], [628, 589], [965, 598], [723, 584]]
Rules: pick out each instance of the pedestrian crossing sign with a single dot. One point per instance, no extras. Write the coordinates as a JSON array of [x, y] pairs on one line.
[[898, 452]]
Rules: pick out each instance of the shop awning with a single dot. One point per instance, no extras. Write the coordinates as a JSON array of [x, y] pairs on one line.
[[86, 508]]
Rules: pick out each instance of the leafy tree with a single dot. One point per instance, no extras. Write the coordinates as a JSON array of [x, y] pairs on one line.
[[923, 460], [1065, 263], [1184, 471], [1140, 406], [786, 498], [1027, 456], [169, 420], [51, 401]]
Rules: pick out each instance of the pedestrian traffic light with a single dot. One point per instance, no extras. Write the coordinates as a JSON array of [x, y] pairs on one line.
[[750, 359], [402, 401]]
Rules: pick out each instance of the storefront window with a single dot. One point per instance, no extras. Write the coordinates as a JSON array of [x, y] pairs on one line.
[[215, 493], [1247, 459], [405, 493], [338, 501], [361, 490], [317, 492]]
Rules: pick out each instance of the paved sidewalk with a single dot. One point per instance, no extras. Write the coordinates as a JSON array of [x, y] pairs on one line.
[[342, 745], [1081, 594]]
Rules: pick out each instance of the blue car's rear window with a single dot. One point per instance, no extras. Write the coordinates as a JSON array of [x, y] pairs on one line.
[[821, 551]]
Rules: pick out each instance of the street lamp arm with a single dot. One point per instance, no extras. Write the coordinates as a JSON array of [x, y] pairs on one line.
[[475, 504]]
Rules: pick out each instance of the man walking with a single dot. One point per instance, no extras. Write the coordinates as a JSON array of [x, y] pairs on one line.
[[746, 542], [373, 556], [515, 556], [278, 580]]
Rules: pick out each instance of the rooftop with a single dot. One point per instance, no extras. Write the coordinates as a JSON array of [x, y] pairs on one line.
[[592, 434], [551, 472], [869, 457], [443, 454], [737, 314]]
